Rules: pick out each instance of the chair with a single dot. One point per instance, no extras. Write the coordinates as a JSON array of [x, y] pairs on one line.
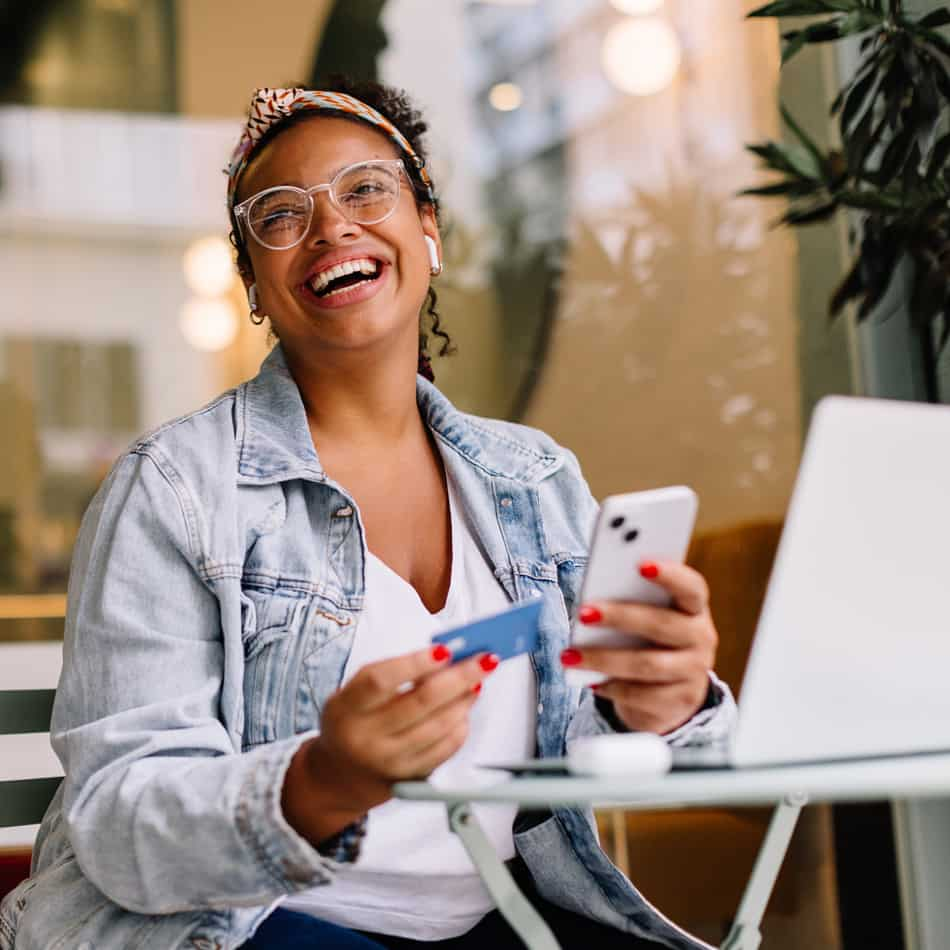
[[23, 801]]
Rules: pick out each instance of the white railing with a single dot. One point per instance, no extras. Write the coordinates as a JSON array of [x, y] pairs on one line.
[[111, 170]]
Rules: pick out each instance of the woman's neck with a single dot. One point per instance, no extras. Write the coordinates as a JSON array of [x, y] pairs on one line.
[[359, 403]]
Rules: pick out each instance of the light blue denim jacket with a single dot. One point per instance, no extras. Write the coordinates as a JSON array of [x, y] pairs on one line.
[[216, 587]]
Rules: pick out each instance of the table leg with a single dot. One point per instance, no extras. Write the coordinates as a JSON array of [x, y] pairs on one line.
[[745, 933], [527, 923]]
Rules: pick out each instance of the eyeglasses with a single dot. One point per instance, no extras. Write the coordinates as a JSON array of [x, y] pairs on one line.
[[365, 193]]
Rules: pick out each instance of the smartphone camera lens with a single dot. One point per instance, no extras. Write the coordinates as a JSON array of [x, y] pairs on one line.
[[617, 522], [631, 535]]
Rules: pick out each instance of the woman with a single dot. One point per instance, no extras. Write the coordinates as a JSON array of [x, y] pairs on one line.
[[247, 667]]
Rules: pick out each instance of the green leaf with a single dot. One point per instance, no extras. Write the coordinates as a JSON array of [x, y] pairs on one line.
[[938, 158], [792, 159], [874, 201], [935, 39], [858, 22], [896, 155], [802, 7], [857, 98], [852, 286], [820, 163], [796, 188], [793, 46], [811, 215], [824, 32], [935, 19]]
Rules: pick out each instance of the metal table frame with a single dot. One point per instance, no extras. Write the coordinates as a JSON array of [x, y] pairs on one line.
[[788, 788]]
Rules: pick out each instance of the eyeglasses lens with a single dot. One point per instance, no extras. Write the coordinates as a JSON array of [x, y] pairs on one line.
[[280, 218], [366, 194]]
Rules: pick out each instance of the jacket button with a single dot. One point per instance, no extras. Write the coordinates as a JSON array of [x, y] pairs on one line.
[[343, 512], [506, 502]]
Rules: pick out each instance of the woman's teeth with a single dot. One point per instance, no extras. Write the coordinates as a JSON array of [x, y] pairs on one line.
[[322, 281]]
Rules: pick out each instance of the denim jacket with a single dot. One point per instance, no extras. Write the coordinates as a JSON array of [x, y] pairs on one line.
[[216, 587]]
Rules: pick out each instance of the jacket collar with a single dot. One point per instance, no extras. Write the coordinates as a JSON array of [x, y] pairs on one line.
[[274, 443]]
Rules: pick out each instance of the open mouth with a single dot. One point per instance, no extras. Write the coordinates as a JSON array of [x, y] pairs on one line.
[[345, 276]]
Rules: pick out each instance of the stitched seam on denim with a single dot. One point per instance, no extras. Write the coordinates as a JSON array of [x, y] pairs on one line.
[[539, 521], [150, 437], [241, 397], [520, 447], [536, 570], [77, 926], [176, 483], [246, 830]]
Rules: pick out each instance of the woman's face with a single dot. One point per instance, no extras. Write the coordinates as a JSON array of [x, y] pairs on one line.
[[291, 284]]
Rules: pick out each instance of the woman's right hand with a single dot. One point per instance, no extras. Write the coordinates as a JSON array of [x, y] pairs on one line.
[[395, 719]]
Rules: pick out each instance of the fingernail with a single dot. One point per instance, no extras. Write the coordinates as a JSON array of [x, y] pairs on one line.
[[489, 661], [649, 570], [570, 657], [589, 614], [596, 686], [440, 653], [477, 688]]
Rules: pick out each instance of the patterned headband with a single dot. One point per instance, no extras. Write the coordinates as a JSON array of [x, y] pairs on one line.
[[270, 106]]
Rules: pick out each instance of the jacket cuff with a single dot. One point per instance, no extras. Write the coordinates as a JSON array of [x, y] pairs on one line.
[[286, 856], [712, 722]]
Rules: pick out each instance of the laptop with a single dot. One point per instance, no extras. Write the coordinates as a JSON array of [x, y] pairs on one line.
[[851, 656]]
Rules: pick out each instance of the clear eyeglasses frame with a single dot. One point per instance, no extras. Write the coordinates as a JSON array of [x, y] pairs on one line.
[[364, 193]]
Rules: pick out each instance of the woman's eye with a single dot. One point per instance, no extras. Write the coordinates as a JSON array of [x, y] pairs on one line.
[[367, 188], [279, 216]]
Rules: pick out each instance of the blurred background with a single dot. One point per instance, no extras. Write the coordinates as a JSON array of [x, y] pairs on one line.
[[602, 282]]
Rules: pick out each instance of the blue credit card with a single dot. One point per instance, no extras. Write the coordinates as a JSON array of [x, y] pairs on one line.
[[510, 633]]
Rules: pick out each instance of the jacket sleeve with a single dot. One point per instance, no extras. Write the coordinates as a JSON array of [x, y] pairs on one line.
[[711, 725], [163, 810]]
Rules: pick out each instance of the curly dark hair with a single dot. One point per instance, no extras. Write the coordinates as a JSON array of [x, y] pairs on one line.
[[396, 106]]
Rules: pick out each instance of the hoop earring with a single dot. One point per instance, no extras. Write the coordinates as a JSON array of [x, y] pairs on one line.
[[256, 318]]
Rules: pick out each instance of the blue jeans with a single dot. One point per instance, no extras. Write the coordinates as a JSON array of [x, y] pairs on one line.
[[290, 930]]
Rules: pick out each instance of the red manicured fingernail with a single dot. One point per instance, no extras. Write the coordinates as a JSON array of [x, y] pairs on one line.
[[440, 653], [571, 657], [489, 661], [649, 570], [477, 688], [596, 686], [589, 615]]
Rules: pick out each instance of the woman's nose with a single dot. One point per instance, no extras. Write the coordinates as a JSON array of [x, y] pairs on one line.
[[328, 223]]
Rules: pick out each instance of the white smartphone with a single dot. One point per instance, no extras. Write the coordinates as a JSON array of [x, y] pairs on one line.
[[641, 526]]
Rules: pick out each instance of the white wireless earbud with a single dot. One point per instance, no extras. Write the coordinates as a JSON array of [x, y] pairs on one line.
[[435, 265]]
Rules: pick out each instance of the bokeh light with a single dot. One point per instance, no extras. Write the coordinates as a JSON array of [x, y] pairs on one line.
[[208, 323], [637, 7], [208, 265], [505, 96], [641, 56]]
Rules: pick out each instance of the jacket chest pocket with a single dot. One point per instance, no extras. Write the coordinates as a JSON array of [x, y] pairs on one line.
[[288, 670], [271, 624]]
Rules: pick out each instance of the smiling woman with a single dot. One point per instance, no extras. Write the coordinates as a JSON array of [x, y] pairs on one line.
[[248, 664], [396, 244]]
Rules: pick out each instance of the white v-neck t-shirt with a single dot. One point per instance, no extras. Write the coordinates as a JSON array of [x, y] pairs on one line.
[[413, 877]]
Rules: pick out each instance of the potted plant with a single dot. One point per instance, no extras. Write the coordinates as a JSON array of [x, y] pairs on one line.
[[891, 169]]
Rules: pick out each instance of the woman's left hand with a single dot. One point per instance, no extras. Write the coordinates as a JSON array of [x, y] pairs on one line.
[[657, 685]]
